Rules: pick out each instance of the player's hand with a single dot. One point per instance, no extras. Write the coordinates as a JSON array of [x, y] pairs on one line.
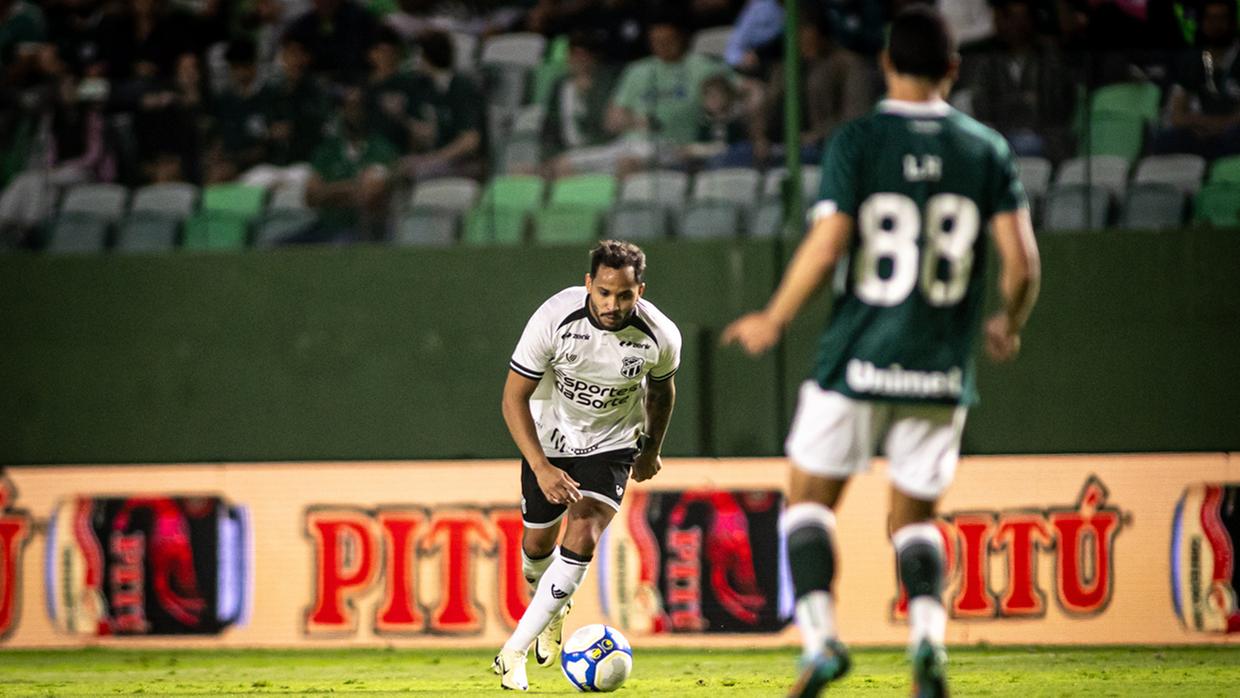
[[755, 332], [1002, 342], [647, 466], [556, 485]]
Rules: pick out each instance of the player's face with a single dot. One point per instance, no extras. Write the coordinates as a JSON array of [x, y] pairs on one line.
[[613, 295]]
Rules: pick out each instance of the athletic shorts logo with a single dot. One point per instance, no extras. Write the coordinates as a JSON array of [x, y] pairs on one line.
[[557, 593], [631, 367]]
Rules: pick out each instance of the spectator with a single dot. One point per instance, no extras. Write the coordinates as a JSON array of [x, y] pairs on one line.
[[143, 42], [578, 102], [1019, 87], [723, 130], [349, 182], [756, 37], [393, 96], [337, 34], [266, 21], [238, 129], [656, 108], [836, 86], [166, 118], [1204, 108], [77, 152], [22, 31], [453, 106], [294, 110]]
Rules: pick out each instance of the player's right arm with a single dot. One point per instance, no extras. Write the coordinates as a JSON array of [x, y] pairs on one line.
[[556, 485], [814, 262], [1019, 278]]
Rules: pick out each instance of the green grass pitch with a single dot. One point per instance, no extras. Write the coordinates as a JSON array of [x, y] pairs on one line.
[[1024, 672]]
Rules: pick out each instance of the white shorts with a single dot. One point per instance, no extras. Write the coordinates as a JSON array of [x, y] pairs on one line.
[[835, 436]]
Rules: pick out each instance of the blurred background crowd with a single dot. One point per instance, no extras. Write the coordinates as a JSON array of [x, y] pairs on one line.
[[349, 105]]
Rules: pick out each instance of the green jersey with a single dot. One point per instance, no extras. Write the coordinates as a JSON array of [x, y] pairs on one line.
[[920, 181]]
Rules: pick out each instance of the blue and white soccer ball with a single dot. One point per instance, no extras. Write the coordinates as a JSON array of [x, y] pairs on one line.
[[597, 659]]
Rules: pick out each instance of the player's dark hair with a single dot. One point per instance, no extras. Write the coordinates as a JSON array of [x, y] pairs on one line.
[[618, 254], [920, 43]]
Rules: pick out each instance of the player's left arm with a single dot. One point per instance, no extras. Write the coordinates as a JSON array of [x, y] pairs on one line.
[[814, 262], [659, 401]]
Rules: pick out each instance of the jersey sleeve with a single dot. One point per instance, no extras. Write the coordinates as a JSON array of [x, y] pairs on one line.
[[1008, 194], [838, 190], [532, 357], [669, 355]]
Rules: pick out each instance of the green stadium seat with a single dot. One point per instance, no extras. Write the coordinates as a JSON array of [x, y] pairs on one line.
[[1075, 207], [638, 220], [566, 223], [228, 211], [500, 216], [543, 81], [1116, 133], [236, 199], [1138, 98], [594, 191], [1226, 169], [1218, 204], [710, 219], [1153, 206]]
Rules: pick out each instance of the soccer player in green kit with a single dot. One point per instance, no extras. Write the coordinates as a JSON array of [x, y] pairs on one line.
[[906, 192]]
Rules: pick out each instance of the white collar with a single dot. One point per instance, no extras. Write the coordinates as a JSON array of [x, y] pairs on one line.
[[936, 107]]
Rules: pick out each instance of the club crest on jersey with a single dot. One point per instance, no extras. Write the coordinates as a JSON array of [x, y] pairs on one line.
[[631, 366]]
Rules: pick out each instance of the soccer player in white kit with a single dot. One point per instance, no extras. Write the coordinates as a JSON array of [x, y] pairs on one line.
[[587, 400]]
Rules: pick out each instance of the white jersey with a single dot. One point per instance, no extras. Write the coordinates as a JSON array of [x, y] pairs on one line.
[[592, 380]]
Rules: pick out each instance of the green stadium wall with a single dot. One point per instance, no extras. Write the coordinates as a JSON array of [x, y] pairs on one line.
[[382, 353]]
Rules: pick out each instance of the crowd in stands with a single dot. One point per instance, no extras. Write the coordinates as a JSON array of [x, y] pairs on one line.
[[352, 103]]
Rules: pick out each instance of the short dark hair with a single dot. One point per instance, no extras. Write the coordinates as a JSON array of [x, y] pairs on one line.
[[920, 43], [241, 52], [618, 254], [437, 49]]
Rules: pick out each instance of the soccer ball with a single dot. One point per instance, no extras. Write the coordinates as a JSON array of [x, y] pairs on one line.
[[597, 658]]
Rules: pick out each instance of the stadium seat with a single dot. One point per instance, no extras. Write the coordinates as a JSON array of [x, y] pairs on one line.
[[1226, 169], [1153, 206], [223, 223], [521, 155], [710, 219], [464, 51], [427, 227], [147, 232], [712, 41], [451, 193], [1106, 171], [1115, 133], [288, 197], [280, 225], [664, 187], [1183, 172], [811, 175], [566, 223], [175, 200], [1218, 204], [517, 48], [638, 220], [737, 185], [85, 218], [544, 78], [1138, 98], [594, 191], [528, 123], [500, 217], [1035, 175], [768, 222], [1075, 207]]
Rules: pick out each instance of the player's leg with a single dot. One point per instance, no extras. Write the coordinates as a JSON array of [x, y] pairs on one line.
[[542, 521], [830, 440], [923, 445]]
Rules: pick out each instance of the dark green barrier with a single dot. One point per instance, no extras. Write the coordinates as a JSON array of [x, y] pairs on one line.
[[388, 353]]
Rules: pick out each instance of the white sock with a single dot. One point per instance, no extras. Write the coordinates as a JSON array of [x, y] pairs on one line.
[[927, 619], [534, 569], [815, 614], [562, 579]]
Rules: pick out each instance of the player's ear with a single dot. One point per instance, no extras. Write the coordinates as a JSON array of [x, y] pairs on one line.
[[884, 62], [589, 281], [953, 71], [641, 289]]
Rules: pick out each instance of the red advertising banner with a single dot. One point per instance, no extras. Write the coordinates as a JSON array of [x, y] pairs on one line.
[[1041, 549]]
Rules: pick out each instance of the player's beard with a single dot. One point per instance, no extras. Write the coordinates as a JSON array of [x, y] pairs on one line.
[[612, 321]]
